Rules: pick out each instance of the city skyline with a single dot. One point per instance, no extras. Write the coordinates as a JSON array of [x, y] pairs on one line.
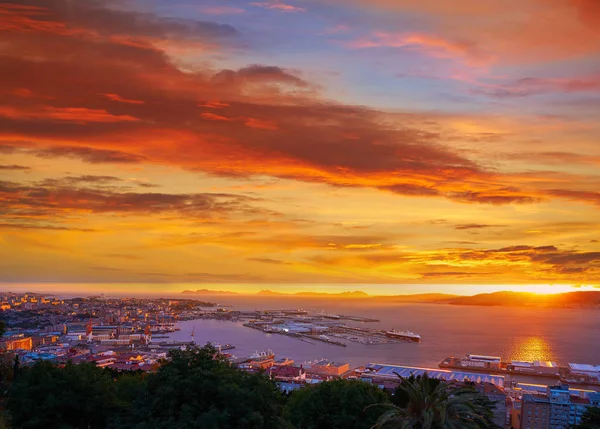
[[382, 146]]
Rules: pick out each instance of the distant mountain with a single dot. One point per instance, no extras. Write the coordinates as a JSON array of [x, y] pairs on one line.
[[208, 292], [267, 292], [503, 298], [524, 299], [347, 294], [421, 297], [352, 294]]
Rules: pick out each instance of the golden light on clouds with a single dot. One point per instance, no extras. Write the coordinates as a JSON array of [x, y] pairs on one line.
[[169, 147]]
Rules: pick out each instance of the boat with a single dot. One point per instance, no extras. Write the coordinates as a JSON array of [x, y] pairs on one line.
[[403, 335], [262, 355], [331, 316]]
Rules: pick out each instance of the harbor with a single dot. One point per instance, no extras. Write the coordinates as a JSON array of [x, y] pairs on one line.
[[573, 373], [328, 328]]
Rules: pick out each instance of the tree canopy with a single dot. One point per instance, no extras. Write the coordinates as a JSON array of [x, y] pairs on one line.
[[199, 388], [76, 396], [590, 419], [422, 402], [338, 404]]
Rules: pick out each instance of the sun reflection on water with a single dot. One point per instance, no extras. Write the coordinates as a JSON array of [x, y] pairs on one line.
[[530, 349]]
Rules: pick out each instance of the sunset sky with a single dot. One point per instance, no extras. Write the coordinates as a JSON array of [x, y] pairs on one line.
[[301, 145]]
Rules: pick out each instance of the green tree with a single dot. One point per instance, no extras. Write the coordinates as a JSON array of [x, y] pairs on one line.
[[198, 388], [335, 404], [77, 396], [590, 419], [129, 388], [422, 402]]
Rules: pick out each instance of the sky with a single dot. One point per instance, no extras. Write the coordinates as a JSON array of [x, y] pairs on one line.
[[385, 145]]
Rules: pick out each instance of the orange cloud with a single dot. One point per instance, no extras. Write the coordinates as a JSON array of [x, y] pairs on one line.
[[259, 123], [213, 104], [296, 133], [427, 44], [115, 97], [67, 114], [214, 117], [512, 31]]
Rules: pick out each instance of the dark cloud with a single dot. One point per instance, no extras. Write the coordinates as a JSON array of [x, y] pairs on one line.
[[441, 274], [269, 261], [54, 203], [14, 167], [259, 73], [584, 196], [18, 226], [98, 17], [88, 154], [255, 121], [412, 190], [560, 261], [475, 226], [77, 180], [495, 197]]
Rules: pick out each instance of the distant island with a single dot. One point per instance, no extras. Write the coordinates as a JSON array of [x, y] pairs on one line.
[[586, 299]]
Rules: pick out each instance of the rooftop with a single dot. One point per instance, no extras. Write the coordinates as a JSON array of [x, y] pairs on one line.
[[392, 371]]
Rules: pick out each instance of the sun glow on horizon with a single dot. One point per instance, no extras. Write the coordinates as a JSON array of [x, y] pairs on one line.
[[174, 289]]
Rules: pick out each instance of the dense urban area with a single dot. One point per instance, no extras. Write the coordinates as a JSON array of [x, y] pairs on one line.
[[128, 337]]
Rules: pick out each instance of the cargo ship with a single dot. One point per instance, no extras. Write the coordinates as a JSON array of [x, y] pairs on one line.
[[403, 335]]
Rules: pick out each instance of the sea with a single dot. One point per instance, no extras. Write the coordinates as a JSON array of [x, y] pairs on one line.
[[559, 335]]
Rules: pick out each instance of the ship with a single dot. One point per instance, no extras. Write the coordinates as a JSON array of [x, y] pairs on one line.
[[329, 315], [262, 355], [403, 335]]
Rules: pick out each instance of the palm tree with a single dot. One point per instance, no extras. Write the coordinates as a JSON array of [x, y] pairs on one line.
[[427, 403]]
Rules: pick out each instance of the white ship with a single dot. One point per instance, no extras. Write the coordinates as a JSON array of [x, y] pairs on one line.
[[404, 335], [262, 355]]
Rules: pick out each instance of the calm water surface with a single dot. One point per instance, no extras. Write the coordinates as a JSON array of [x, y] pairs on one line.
[[560, 335]]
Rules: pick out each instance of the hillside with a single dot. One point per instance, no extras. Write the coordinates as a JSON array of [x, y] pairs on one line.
[[503, 298], [524, 299], [349, 294]]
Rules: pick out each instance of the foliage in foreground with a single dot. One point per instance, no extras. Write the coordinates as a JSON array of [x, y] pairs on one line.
[[197, 388], [193, 390], [336, 404], [427, 403], [590, 419]]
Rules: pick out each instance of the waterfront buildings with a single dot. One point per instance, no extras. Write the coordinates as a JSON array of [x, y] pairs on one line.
[[377, 372], [329, 369], [497, 396], [556, 409]]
